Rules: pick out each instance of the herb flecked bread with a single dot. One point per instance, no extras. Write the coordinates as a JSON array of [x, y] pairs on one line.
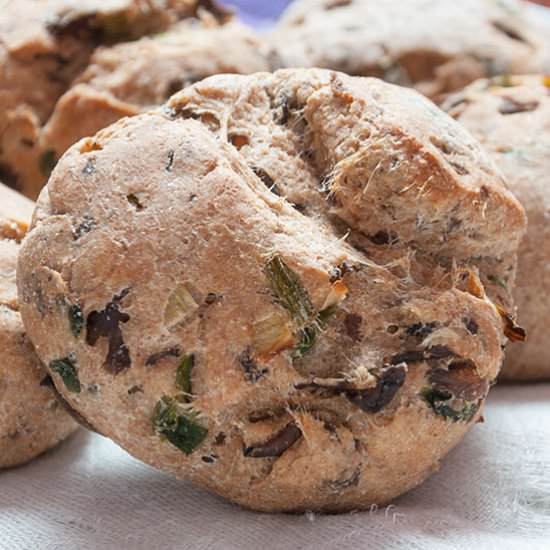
[[46, 48], [31, 419], [132, 77], [511, 118], [286, 299], [437, 46]]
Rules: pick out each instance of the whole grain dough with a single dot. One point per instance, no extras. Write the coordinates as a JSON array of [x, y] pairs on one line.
[[437, 46], [284, 284], [135, 76], [511, 118], [43, 47], [31, 418]]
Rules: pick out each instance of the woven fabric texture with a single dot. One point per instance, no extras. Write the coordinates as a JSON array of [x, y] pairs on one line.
[[492, 492]]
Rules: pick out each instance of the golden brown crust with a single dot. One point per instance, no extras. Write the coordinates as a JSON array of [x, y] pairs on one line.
[[511, 118], [236, 341]]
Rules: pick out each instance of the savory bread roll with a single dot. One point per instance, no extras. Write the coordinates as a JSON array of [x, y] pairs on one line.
[[437, 46], [277, 286], [31, 419], [511, 118], [44, 46]]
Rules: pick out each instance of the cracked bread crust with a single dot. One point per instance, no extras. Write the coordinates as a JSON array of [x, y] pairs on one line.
[[234, 335], [31, 419], [133, 77], [43, 47], [511, 118], [437, 46]]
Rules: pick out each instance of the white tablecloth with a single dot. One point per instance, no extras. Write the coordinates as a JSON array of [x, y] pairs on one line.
[[492, 492]]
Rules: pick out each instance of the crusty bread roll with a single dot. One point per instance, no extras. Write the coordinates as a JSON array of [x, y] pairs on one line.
[[511, 118], [437, 46], [31, 419], [44, 46], [283, 282]]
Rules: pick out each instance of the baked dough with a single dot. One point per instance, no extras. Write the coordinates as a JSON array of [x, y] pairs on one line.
[[283, 279], [436, 46], [135, 76], [511, 118], [43, 47], [31, 419]]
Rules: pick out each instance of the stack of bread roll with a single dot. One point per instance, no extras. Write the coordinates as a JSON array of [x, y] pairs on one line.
[[293, 287]]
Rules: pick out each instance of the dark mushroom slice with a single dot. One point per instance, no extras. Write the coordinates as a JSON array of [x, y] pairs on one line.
[[455, 393], [375, 399], [277, 445], [106, 324]]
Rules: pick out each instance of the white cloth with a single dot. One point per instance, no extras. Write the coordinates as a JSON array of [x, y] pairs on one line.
[[492, 492]]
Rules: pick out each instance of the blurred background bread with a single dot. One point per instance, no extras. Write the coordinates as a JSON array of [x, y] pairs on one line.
[[437, 46], [510, 116], [32, 420], [58, 46]]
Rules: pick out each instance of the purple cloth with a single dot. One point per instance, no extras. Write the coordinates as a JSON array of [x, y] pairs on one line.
[[259, 13]]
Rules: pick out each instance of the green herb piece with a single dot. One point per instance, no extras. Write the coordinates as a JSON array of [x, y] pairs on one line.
[[495, 279], [183, 374], [325, 315], [504, 81], [179, 425], [307, 338], [76, 320], [47, 162], [289, 291], [446, 405], [291, 294], [67, 370]]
